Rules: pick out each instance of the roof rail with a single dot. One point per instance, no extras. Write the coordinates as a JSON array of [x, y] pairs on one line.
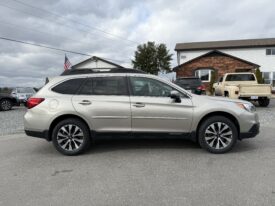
[[100, 70]]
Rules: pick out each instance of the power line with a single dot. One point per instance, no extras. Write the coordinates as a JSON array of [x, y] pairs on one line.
[[42, 32], [64, 25], [54, 48], [77, 22]]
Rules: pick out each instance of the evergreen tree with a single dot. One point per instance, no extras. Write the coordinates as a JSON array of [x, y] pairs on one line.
[[259, 76], [152, 58]]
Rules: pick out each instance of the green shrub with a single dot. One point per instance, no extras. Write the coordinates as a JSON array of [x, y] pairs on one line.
[[214, 75]]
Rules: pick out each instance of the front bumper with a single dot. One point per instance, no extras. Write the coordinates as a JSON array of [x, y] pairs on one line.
[[254, 130]]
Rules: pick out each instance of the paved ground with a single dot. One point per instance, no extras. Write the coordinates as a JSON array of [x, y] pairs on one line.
[[11, 122], [159, 172]]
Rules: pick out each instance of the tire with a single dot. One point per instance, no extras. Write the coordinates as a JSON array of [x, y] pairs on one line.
[[5, 105], [214, 141], [226, 94], [71, 137], [264, 102]]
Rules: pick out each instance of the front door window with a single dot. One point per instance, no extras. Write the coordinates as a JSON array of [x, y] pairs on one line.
[[149, 87]]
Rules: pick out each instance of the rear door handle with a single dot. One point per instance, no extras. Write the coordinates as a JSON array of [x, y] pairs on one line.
[[139, 104], [85, 102]]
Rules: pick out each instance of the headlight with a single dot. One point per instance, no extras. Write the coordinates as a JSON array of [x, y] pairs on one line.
[[247, 106]]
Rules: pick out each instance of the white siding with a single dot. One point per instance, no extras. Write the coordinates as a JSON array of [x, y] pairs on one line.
[[254, 55], [95, 64]]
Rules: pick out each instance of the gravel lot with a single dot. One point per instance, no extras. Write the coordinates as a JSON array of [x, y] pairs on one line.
[[11, 122]]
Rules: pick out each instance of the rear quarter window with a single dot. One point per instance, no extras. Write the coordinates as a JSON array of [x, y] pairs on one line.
[[240, 77], [69, 86]]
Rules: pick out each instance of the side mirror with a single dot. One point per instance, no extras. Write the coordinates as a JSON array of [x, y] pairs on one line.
[[176, 96]]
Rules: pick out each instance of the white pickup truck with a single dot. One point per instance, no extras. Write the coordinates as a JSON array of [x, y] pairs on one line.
[[243, 86]]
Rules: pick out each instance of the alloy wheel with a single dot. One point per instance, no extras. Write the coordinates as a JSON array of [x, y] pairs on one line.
[[70, 137], [6, 105], [218, 135]]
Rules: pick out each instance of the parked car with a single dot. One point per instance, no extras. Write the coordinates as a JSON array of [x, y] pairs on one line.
[[22, 94], [7, 102], [73, 110], [191, 84], [243, 86]]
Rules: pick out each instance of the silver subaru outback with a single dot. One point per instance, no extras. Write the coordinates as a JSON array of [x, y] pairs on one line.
[[73, 110]]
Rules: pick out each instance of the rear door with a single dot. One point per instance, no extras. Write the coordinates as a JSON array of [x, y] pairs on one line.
[[154, 111], [104, 100]]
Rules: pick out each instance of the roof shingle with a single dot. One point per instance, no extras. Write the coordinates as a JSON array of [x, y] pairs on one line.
[[228, 44]]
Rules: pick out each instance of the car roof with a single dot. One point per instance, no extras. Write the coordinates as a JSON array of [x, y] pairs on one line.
[[100, 71], [188, 78]]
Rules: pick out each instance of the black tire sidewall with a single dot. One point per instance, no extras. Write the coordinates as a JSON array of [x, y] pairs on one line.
[[1, 109], [264, 102], [210, 121], [87, 139]]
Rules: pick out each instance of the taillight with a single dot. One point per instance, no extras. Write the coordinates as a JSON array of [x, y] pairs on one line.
[[202, 87], [32, 102]]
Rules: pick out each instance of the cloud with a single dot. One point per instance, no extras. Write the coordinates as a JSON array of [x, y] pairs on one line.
[[161, 21]]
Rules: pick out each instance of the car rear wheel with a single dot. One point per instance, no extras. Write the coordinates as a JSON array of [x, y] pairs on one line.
[[5, 105], [71, 137], [217, 134]]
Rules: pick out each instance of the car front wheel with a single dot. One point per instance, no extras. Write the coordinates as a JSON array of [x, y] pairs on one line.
[[71, 137], [217, 134]]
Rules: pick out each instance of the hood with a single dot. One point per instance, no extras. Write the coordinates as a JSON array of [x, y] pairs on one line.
[[220, 99]]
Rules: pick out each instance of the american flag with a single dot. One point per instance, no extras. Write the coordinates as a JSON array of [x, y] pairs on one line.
[[67, 63]]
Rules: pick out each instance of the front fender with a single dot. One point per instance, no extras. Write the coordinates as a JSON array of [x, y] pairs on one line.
[[233, 91]]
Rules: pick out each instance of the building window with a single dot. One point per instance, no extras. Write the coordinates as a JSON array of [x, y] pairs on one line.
[[270, 51], [204, 74], [267, 77]]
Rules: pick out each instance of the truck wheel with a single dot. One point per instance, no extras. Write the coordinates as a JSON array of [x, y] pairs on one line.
[[226, 94], [217, 134], [264, 102]]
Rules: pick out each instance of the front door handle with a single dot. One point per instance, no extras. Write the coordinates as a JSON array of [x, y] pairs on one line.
[[139, 104], [85, 102]]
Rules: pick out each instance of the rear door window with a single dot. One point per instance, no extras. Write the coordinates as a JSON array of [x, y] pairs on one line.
[[69, 86], [105, 86]]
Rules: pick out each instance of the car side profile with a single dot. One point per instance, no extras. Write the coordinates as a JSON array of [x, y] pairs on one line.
[[73, 110]]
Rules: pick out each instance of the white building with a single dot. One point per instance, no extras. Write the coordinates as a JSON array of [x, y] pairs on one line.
[[95, 62], [258, 51]]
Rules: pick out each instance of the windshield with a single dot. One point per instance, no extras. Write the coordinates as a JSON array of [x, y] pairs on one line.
[[240, 77]]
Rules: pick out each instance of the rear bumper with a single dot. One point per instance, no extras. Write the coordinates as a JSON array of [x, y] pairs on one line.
[[254, 130], [43, 135]]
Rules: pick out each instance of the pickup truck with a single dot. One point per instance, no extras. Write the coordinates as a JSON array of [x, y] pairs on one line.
[[243, 86]]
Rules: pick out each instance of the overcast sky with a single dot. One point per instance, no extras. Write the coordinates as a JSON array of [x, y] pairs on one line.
[[168, 22]]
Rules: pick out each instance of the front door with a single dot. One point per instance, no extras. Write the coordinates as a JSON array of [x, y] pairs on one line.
[[104, 101], [154, 111]]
